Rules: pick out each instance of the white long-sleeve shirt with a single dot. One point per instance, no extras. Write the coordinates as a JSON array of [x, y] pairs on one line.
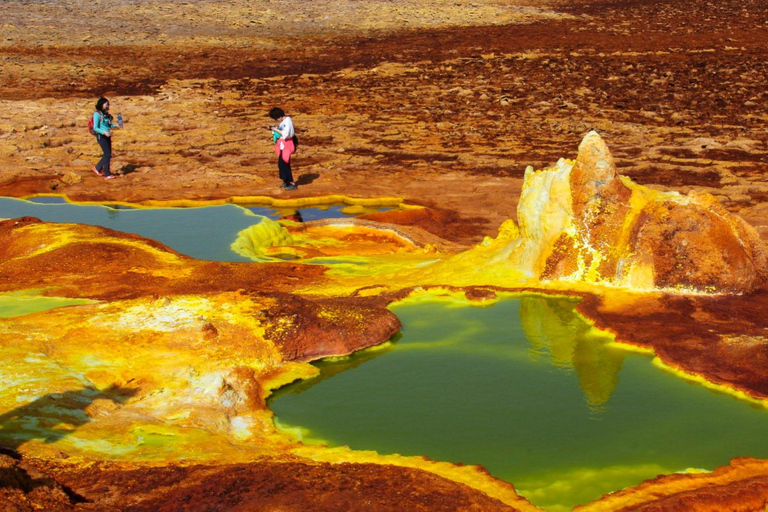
[[286, 128]]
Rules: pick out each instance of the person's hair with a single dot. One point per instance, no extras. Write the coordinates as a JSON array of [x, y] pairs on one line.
[[100, 104], [276, 113]]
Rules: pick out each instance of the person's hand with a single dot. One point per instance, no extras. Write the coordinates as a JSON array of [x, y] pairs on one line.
[[108, 134]]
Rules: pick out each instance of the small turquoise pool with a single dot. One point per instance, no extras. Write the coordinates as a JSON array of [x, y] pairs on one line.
[[528, 390], [204, 233]]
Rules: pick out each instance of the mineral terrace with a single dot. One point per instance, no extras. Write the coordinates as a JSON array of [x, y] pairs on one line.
[[615, 151]]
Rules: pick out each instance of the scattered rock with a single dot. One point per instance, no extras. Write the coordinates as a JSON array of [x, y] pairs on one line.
[[71, 178], [480, 294]]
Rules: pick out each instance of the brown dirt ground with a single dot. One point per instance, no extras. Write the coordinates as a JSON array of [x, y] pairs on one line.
[[436, 110]]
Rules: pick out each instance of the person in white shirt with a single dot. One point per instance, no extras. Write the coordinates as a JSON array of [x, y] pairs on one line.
[[284, 137]]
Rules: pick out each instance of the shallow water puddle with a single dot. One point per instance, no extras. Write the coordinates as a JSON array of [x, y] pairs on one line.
[[31, 301], [203, 232], [528, 390]]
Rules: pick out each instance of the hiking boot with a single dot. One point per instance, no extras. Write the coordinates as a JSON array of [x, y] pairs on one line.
[[291, 187], [283, 185]]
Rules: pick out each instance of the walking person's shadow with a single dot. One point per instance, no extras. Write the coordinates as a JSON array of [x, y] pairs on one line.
[[54, 416]]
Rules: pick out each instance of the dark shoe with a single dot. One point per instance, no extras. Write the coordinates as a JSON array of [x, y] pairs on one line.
[[291, 187], [97, 172], [283, 185]]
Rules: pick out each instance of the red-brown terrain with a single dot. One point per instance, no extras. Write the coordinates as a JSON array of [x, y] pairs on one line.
[[444, 116]]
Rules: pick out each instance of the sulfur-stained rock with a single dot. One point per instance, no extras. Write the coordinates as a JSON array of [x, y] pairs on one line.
[[90, 261], [696, 245], [581, 221], [600, 204], [304, 330], [285, 483], [24, 488], [742, 485], [444, 223], [480, 295], [71, 178]]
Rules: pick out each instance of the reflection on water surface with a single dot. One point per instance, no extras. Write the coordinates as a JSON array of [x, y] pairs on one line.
[[528, 390]]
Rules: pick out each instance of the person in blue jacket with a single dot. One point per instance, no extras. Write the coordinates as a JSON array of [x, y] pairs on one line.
[[102, 127]]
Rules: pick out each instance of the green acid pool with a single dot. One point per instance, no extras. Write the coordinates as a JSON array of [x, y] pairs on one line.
[[24, 302], [528, 390]]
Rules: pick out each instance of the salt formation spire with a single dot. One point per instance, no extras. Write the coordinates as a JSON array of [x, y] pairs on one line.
[[594, 173], [582, 221], [600, 202]]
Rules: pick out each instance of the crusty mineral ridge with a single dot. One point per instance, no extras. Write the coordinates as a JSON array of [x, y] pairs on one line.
[[99, 263], [286, 484], [742, 485], [581, 221]]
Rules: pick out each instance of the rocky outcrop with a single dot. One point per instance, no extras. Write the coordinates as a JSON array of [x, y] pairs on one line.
[[288, 483], [24, 488], [742, 485], [582, 221]]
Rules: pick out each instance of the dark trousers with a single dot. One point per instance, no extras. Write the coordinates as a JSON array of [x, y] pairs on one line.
[[106, 148], [285, 170]]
